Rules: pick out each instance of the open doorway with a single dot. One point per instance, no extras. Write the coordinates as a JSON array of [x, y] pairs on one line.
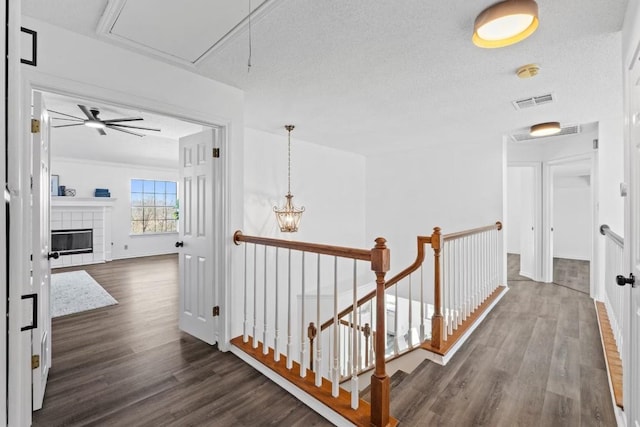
[[120, 195], [571, 223]]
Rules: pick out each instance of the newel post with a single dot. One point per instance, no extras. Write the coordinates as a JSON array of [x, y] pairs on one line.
[[380, 388], [437, 321]]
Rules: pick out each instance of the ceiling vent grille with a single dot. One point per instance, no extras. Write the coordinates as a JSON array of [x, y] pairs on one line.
[[565, 130], [534, 101]]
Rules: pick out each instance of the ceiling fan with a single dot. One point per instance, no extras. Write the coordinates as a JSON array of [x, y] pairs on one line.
[[93, 121]]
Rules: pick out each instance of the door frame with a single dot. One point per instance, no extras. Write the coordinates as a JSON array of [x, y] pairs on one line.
[[537, 211], [20, 382], [547, 221]]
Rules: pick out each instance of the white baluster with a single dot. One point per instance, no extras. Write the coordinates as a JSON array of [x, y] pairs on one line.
[[410, 314], [289, 342], [319, 335], [255, 297], [396, 338], [265, 346], [276, 340], [423, 336], [355, 397], [336, 339], [245, 324], [303, 330], [372, 303]]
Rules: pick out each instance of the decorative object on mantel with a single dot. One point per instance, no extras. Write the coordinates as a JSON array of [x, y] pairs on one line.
[[288, 216], [102, 192], [61, 189], [70, 192]]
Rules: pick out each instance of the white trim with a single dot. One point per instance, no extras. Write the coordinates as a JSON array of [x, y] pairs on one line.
[[113, 164], [313, 403], [3, 248], [547, 261]]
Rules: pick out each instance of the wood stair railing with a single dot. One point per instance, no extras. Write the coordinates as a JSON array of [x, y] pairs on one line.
[[327, 390]]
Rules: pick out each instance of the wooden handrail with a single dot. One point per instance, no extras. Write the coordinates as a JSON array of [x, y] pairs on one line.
[[460, 234], [339, 251], [422, 240], [605, 230]]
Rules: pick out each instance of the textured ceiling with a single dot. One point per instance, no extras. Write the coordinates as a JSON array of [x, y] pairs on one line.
[[378, 76]]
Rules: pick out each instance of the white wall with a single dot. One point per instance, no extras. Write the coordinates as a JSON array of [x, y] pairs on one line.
[[86, 175], [75, 65], [329, 183], [571, 227], [455, 187]]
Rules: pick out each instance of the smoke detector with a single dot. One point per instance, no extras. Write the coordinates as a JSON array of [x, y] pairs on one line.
[[528, 71]]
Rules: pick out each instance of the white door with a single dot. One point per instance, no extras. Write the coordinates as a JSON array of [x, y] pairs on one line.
[[197, 238], [41, 234], [527, 224]]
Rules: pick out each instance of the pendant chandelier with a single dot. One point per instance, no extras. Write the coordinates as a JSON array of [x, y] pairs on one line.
[[288, 216]]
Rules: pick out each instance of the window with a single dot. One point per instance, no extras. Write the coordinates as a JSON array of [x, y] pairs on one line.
[[154, 206]]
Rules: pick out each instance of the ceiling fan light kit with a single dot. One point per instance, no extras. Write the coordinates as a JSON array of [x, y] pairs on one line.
[[505, 23], [545, 129], [95, 122]]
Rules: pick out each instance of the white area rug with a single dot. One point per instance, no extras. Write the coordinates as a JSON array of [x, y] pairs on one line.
[[77, 291]]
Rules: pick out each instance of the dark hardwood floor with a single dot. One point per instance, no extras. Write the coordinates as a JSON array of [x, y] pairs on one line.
[[129, 365], [535, 361]]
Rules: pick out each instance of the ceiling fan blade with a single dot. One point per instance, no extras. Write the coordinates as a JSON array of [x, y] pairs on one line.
[[132, 127], [101, 132], [124, 130], [66, 126], [64, 114], [68, 120], [126, 119], [87, 112]]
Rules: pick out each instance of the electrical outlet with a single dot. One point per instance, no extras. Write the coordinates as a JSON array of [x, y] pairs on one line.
[[126, 247]]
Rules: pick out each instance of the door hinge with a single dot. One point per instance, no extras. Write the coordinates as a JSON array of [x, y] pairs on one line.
[[35, 125], [31, 182], [216, 153], [35, 361], [216, 311]]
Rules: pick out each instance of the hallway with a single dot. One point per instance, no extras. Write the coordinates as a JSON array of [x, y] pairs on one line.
[[535, 360]]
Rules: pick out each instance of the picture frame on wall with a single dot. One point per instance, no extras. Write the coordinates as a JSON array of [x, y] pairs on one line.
[[55, 182]]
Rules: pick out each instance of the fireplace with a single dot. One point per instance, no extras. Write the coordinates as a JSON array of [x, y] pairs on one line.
[[73, 241]]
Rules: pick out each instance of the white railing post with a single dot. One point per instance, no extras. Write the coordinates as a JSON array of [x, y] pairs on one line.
[[289, 343], [276, 339], [265, 346], [303, 338], [355, 395], [423, 335], [245, 324], [335, 378], [255, 298], [318, 320]]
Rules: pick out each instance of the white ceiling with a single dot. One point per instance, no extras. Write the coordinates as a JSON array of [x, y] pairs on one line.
[[371, 77], [159, 149]]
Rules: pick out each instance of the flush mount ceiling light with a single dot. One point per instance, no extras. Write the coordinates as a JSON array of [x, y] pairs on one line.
[[505, 23], [288, 216], [528, 71], [545, 129]]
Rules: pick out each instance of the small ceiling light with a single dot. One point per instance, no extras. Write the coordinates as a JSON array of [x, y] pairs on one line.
[[505, 23], [528, 71], [288, 216], [545, 129]]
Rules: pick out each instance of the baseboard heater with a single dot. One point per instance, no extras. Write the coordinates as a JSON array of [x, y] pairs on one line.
[[70, 242]]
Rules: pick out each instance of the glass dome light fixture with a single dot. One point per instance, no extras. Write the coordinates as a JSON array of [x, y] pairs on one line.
[[288, 216], [505, 23]]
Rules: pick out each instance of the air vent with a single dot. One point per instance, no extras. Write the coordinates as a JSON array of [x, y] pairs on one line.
[[565, 130], [534, 101]]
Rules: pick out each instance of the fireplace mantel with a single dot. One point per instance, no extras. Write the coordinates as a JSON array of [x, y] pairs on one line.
[[85, 202]]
